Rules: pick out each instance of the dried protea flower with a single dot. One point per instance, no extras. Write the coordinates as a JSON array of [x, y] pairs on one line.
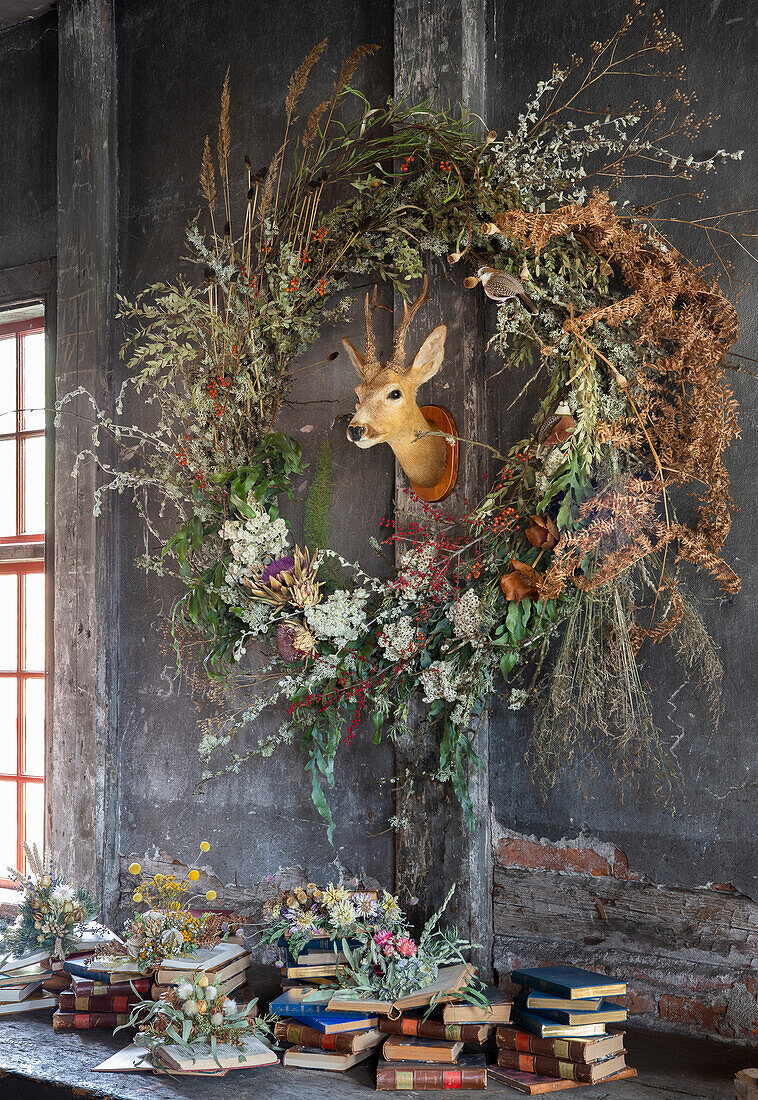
[[290, 580], [294, 641]]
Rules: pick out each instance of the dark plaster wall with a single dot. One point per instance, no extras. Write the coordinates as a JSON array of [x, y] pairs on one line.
[[711, 834], [172, 58], [28, 112]]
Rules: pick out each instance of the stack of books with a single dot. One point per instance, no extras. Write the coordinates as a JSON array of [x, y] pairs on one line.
[[560, 1039], [21, 981], [316, 964], [321, 1038], [96, 997], [91, 1004], [431, 1054]]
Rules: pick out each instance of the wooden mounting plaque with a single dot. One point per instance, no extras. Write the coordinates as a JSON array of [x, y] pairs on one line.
[[443, 421]]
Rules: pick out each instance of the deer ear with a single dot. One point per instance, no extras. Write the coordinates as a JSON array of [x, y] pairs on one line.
[[429, 358], [355, 356]]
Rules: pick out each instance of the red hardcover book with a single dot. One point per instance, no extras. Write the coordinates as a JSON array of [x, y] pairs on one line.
[[86, 1021], [556, 1067], [434, 1029], [469, 1073], [345, 1042], [569, 1050], [68, 1001], [85, 987]]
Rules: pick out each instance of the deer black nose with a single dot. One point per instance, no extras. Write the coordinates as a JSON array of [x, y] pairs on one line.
[[355, 432]]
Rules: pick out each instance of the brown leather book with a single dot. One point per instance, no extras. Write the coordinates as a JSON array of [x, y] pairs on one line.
[[345, 1042], [400, 1048], [535, 1083], [85, 987], [69, 1002], [569, 1050], [435, 1029], [556, 1067], [469, 1073], [84, 1021]]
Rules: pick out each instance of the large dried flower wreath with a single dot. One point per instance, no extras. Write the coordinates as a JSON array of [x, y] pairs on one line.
[[577, 539]]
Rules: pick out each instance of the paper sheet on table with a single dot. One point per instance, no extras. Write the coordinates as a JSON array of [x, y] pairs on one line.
[[127, 1060]]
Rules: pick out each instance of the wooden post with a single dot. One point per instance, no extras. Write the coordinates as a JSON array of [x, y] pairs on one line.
[[439, 53], [84, 766]]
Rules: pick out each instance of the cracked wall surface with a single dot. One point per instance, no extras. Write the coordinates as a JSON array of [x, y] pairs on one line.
[[688, 955]]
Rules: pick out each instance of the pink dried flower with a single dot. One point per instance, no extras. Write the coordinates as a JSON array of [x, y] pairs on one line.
[[405, 947], [380, 938]]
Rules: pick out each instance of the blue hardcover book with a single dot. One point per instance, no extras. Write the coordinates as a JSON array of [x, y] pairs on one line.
[[310, 1006], [537, 1001], [538, 1024], [607, 1013], [107, 977], [569, 981]]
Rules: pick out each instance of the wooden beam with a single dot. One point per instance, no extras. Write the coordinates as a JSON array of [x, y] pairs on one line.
[[84, 765], [439, 54]]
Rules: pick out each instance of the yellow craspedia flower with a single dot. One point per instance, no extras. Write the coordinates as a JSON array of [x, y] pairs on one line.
[[135, 868], [137, 896], [193, 876], [211, 895], [204, 846]]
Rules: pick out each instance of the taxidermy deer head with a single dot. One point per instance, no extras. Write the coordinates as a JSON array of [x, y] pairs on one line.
[[386, 410]]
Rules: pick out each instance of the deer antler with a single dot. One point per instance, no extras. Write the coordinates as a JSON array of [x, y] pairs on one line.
[[397, 362], [370, 361]]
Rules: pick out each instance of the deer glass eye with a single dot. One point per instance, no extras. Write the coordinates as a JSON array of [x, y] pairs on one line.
[[395, 395]]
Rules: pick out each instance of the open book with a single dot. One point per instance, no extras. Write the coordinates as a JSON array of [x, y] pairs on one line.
[[450, 981]]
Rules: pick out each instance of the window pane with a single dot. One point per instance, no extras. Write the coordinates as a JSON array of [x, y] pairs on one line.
[[34, 622], [33, 381], [34, 815], [8, 617], [7, 385], [34, 727], [8, 826], [34, 485], [8, 729], [7, 487]]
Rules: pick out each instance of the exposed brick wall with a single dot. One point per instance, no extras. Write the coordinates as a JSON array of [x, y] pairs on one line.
[[688, 956]]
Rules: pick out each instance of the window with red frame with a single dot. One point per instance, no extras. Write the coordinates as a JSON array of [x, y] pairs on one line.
[[22, 583]]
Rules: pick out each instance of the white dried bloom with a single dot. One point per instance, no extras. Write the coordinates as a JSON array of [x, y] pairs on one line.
[[253, 542], [229, 1007], [339, 619], [62, 893], [398, 641], [190, 1008], [465, 615], [184, 991], [217, 1019], [211, 993], [439, 681], [414, 569]]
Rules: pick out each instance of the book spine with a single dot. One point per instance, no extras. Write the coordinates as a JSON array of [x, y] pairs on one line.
[[70, 1002], [303, 1036], [395, 1080], [568, 1049], [89, 988], [431, 1029], [543, 1064], [85, 1021]]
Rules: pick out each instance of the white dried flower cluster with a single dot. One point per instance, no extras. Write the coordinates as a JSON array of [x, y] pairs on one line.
[[466, 615], [398, 641], [339, 619], [253, 542], [414, 569], [553, 459], [439, 681], [62, 893]]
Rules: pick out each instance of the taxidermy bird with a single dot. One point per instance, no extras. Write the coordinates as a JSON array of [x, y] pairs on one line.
[[557, 425], [501, 287]]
